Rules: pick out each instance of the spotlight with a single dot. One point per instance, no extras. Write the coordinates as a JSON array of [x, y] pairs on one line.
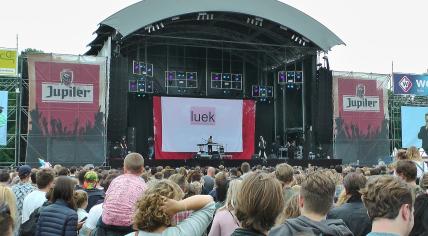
[[304, 43], [293, 36], [161, 24], [297, 38], [157, 27], [248, 20]]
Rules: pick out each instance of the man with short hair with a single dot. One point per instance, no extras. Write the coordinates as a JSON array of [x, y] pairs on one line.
[[389, 202], [407, 171], [353, 212], [122, 195], [316, 199], [22, 189], [4, 177], [208, 180], [35, 199], [284, 173]]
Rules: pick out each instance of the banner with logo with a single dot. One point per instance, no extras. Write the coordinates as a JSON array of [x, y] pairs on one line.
[[360, 117], [410, 84], [3, 117], [66, 109], [8, 62], [180, 124]]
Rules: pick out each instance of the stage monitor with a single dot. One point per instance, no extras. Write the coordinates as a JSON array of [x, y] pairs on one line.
[[413, 126], [282, 77], [298, 77], [187, 122]]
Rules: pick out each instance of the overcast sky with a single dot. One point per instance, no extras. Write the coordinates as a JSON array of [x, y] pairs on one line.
[[376, 32]]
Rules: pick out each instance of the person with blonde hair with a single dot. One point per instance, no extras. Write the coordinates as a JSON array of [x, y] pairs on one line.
[[161, 201], [225, 221], [421, 166], [291, 209], [81, 200], [8, 197]]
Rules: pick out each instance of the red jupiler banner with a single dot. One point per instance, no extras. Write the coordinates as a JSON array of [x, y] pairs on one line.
[[66, 108], [360, 117]]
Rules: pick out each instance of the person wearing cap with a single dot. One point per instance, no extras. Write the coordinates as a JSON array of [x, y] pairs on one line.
[[22, 189], [95, 195]]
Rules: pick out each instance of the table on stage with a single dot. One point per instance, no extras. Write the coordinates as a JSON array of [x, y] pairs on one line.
[[203, 147]]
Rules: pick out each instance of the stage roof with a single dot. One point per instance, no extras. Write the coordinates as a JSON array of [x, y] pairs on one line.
[[146, 12]]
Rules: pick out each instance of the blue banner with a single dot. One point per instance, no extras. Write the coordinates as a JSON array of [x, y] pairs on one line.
[[411, 84], [3, 118]]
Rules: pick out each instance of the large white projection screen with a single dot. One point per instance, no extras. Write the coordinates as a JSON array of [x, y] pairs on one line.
[[187, 122]]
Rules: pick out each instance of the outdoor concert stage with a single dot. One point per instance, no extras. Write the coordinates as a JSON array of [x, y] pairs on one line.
[[326, 163], [233, 70]]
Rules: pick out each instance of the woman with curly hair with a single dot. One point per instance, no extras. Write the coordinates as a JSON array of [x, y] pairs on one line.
[[161, 201]]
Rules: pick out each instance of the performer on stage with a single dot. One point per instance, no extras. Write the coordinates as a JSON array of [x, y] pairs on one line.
[[423, 134], [210, 147], [291, 149], [262, 148], [123, 147], [150, 145]]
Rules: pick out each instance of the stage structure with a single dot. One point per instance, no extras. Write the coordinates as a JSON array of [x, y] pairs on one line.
[[408, 106], [361, 117], [10, 82], [66, 109], [260, 51]]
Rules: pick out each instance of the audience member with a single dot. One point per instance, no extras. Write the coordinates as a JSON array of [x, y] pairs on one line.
[[95, 195], [22, 189], [4, 177], [59, 218], [420, 227], [258, 203], [291, 209], [389, 203], [406, 170], [161, 201], [284, 173], [353, 212], [225, 221], [245, 169], [316, 199], [90, 225], [7, 197], [414, 155], [6, 220], [81, 200], [208, 181], [121, 197], [34, 200]]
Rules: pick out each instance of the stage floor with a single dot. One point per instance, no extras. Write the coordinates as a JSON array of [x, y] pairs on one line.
[[326, 163]]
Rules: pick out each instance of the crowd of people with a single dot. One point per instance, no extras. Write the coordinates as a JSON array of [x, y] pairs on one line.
[[283, 200]]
